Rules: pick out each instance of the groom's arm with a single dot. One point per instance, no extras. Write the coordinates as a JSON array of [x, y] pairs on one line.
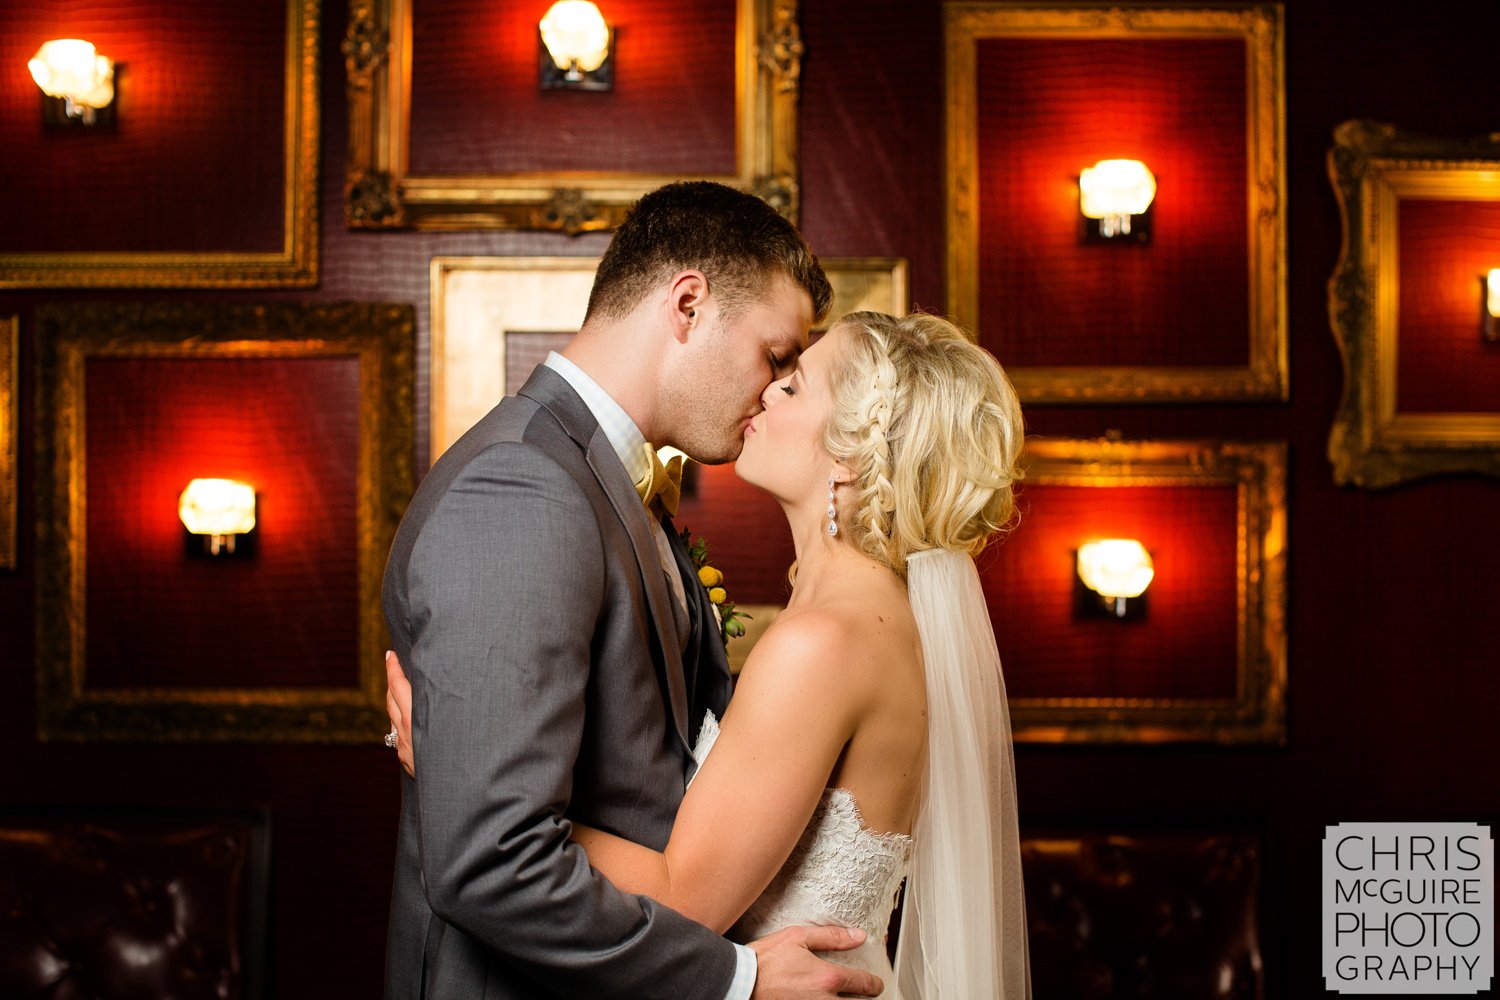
[[505, 586]]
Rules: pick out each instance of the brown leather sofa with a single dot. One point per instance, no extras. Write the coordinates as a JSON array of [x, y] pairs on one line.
[[154, 904], [1147, 914]]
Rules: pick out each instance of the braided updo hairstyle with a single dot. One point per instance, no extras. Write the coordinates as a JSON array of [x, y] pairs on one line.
[[932, 428]]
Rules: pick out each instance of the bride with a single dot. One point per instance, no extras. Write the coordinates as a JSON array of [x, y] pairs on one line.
[[868, 740]]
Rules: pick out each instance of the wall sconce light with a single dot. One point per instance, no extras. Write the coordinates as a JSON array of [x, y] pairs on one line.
[[1490, 315], [1113, 575], [577, 48], [78, 83], [1115, 197], [219, 515]]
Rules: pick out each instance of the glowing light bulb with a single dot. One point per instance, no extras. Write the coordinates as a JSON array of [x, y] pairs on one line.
[[1114, 190], [218, 508], [576, 36], [1115, 567], [70, 68]]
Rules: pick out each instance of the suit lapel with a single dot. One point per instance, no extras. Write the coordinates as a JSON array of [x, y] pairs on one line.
[[552, 391], [692, 591], [708, 677], [627, 504]]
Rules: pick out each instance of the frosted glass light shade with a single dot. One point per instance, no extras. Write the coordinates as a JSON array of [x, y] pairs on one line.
[[217, 507], [1115, 567], [1116, 187], [575, 34], [70, 68]]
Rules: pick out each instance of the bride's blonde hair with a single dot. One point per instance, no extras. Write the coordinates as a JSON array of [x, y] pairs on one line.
[[931, 427]]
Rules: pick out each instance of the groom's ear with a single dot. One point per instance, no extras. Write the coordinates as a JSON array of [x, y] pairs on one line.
[[687, 296]]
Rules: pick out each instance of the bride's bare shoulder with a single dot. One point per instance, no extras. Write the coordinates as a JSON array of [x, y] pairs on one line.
[[847, 638]]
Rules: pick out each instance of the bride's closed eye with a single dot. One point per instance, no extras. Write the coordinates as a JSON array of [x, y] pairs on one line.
[[788, 389]]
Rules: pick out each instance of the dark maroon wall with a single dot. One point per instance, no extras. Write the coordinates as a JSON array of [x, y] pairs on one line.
[[1393, 662]]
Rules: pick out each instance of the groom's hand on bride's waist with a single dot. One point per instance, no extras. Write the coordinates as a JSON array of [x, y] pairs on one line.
[[788, 969]]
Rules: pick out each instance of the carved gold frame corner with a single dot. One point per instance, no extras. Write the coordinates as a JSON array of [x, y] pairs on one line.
[[1266, 376], [1373, 167], [476, 300], [295, 265], [1257, 713], [383, 338], [381, 193], [10, 433]]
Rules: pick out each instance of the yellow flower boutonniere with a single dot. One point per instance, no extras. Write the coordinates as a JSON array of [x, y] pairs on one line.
[[731, 622]]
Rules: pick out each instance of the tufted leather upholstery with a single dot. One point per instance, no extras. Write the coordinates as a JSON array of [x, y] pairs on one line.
[[1143, 915], [155, 905]]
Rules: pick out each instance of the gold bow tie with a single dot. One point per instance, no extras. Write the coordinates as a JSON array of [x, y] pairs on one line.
[[662, 484]]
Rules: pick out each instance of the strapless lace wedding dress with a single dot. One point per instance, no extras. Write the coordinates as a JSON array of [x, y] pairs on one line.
[[840, 873]]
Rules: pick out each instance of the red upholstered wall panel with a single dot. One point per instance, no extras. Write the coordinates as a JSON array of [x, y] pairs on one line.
[[1049, 108], [195, 160], [476, 106], [1186, 645], [287, 617], [1443, 365]]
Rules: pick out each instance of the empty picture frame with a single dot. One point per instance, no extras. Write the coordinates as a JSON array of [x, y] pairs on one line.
[[1207, 661], [1038, 93], [1408, 307], [139, 636], [384, 189]]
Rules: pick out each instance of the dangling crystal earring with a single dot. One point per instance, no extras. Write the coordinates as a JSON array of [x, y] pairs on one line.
[[833, 524]]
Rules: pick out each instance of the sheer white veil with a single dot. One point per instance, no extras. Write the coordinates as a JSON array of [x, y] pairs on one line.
[[963, 928]]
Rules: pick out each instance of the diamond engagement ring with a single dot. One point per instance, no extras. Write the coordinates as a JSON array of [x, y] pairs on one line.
[[390, 738]]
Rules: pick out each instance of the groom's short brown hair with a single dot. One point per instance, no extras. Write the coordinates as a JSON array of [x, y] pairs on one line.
[[737, 240]]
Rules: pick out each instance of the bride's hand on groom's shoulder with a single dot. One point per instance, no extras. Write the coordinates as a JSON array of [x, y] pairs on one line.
[[788, 969]]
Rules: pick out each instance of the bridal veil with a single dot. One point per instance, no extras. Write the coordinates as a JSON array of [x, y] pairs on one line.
[[963, 928]]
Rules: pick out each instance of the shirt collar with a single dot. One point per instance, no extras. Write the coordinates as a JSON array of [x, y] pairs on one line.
[[624, 436]]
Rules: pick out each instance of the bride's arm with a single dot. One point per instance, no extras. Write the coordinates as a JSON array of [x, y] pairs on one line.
[[794, 709]]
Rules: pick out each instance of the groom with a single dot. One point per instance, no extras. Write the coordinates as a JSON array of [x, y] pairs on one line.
[[560, 650]]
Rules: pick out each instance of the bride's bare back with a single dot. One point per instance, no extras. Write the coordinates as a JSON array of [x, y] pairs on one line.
[[881, 660]]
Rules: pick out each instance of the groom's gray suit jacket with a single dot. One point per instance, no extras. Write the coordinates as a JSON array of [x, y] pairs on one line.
[[527, 601]]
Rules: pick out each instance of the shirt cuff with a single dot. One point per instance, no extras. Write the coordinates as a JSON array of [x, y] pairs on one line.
[[745, 968]]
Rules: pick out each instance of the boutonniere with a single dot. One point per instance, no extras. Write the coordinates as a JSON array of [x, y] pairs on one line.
[[731, 622]]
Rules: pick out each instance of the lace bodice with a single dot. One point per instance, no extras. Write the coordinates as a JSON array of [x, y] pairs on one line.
[[839, 873]]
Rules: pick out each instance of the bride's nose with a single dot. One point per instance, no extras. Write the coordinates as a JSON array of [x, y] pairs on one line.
[[772, 391]]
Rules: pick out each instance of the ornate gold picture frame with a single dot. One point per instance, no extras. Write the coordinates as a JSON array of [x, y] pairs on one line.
[[294, 265], [379, 340], [10, 415], [1265, 376], [1257, 711], [1377, 169], [381, 192]]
